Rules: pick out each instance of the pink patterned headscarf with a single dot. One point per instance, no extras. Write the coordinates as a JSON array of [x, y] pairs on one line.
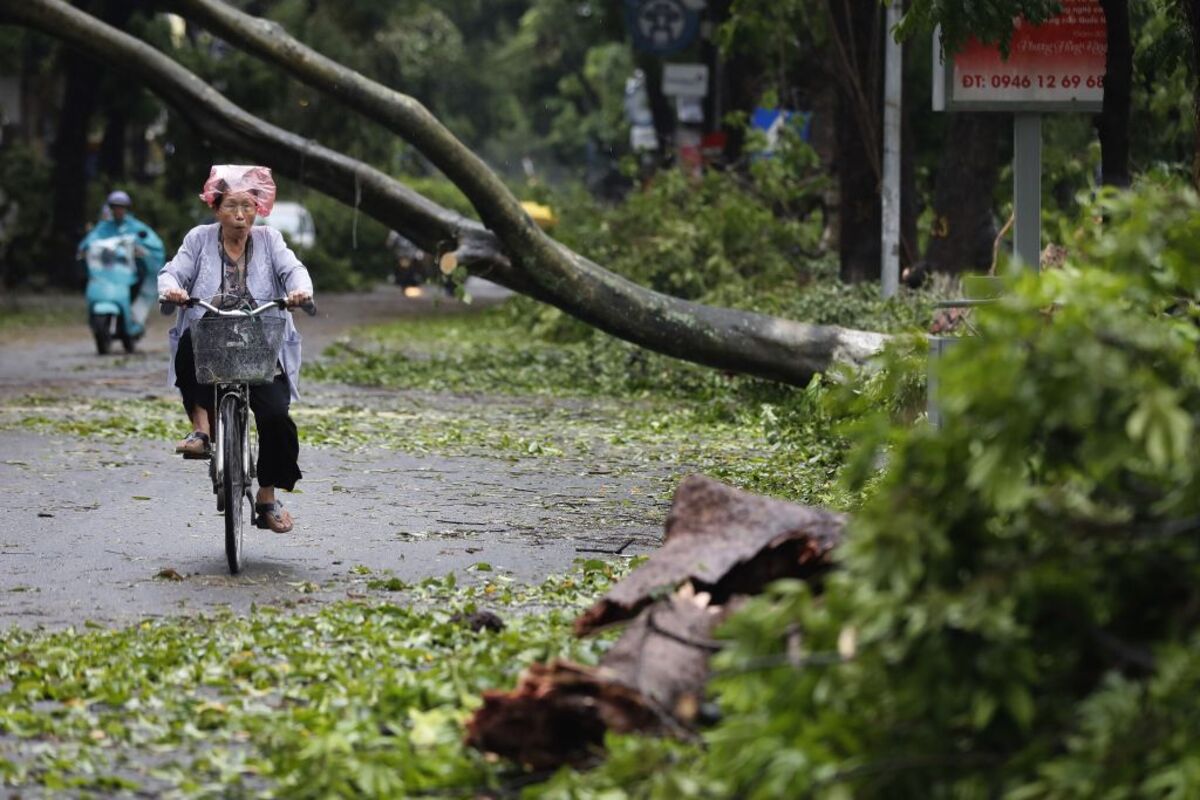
[[234, 178]]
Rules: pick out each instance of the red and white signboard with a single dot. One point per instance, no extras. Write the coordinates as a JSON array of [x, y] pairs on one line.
[[1055, 66]]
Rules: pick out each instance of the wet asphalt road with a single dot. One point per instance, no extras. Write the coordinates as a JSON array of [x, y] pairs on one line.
[[88, 524]]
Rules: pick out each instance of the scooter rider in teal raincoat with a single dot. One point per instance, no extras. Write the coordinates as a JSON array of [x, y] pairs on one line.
[[114, 293]]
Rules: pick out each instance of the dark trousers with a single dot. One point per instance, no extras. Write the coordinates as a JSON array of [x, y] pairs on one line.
[[278, 441]]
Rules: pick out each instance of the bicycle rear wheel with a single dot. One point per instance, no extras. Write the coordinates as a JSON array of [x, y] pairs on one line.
[[233, 487]]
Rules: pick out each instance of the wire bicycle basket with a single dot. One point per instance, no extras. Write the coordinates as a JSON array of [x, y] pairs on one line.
[[237, 349]]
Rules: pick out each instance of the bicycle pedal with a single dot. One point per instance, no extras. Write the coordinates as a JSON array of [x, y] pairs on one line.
[[197, 456]]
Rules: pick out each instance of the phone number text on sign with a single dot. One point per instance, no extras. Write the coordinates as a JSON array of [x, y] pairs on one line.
[[1031, 81], [1059, 62]]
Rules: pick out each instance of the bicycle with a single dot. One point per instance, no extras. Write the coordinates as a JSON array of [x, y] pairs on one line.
[[235, 349]]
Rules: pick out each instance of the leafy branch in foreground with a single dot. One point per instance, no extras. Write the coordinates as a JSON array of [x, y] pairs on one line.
[[1017, 604]]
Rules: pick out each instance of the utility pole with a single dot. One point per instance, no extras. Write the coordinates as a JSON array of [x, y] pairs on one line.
[[1027, 188], [892, 98]]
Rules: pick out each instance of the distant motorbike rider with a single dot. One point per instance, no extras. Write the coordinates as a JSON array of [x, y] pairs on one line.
[[118, 220]]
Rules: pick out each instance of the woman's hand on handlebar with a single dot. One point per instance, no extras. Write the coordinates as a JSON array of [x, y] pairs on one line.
[[299, 298], [302, 299], [174, 296]]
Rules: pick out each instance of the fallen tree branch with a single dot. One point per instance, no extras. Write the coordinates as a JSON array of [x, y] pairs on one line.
[[732, 340], [528, 261]]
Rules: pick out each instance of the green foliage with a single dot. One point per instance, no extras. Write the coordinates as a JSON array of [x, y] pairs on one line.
[[362, 699], [749, 241], [441, 191], [624, 407], [685, 237], [989, 20], [350, 249], [1015, 613], [559, 78], [1016, 607], [1162, 120], [24, 212], [771, 26]]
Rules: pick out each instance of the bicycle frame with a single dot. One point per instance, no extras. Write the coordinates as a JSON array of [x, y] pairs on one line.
[[240, 391]]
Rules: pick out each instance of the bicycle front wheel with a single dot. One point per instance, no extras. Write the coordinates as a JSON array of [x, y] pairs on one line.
[[233, 487]]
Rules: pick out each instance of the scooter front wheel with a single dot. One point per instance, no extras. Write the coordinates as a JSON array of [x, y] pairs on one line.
[[102, 331]]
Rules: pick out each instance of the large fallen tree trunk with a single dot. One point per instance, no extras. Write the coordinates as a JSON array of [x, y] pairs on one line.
[[510, 250]]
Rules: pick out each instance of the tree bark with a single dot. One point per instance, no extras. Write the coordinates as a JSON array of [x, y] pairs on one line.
[[526, 261], [857, 33], [963, 229], [1113, 122], [910, 206], [69, 177], [1191, 10], [113, 146], [115, 104], [662, 110]]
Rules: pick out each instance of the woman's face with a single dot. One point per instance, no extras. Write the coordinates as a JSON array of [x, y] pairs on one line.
[[236, 211]]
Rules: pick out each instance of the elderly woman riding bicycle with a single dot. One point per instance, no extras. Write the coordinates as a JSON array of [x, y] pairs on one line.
[[238, 263]]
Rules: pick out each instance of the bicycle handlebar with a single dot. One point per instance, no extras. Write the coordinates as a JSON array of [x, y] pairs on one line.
[[310, 307]]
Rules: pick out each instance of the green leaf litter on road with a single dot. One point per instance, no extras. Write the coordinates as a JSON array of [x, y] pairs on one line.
[[360, 698], [368, 698], [678, 419]]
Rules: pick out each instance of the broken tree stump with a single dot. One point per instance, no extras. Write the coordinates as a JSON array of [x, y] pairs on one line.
[[721, 544], [725, 542]]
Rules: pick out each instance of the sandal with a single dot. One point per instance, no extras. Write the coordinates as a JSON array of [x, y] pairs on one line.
[[196, 445], [272, 517]]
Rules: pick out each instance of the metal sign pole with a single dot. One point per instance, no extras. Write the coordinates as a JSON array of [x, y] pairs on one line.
[[1027, 189], [892, 88]]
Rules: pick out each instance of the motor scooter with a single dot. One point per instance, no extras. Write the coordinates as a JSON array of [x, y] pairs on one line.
[[120, 292]]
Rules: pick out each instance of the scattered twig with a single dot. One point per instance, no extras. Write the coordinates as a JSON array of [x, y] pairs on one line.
[[619, 551], [996, 244]]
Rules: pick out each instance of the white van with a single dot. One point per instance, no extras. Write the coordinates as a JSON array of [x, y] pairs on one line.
[[294, 222]]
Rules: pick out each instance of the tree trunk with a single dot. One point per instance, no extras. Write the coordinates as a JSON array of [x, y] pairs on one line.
[[1113, 122], [1192, 12], [115, 104], [910, 207], [963, 230], [526, 261], [662, 110], [69, 178], [112, 148], [857, 33]]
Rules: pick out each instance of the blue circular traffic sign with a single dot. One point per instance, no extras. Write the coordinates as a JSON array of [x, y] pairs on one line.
[[663, 27]]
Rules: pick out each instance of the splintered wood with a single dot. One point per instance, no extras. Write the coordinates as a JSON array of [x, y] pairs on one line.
[[721, 545]]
